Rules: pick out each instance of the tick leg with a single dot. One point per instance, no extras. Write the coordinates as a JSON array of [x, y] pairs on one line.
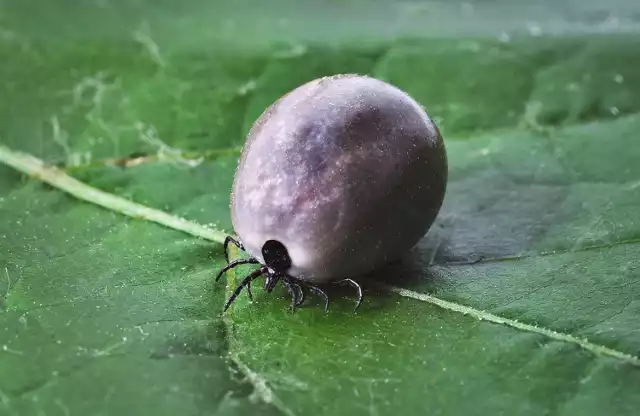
[[318, 291], [293, 292], [234, 264], [245, 282], [300, 292], [353, 283], [233, 241], [270, 282], [295, 284]]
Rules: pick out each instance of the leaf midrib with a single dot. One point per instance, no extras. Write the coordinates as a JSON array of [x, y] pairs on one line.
[[513, 323]]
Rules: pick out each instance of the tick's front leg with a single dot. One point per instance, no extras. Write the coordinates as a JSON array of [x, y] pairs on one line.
[[231, 240]]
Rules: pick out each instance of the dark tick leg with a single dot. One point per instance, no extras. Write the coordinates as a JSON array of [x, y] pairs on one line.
[[293, 286], [233, 241], [245, 282], [293, 292], [270, 282], [318, 291], [300, 292], [234, 264], [353, 283]]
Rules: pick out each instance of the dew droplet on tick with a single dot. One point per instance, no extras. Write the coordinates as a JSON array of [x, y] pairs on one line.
[[336, 178]]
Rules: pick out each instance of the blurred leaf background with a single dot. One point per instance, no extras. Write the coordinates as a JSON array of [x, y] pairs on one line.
[[103, 314]]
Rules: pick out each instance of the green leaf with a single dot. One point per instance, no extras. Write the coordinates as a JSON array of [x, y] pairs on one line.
[[522, 298]]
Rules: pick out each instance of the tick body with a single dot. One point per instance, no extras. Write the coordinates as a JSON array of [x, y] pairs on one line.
[[336, 178]]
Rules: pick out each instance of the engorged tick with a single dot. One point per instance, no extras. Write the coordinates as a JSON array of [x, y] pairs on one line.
[[338, 177]]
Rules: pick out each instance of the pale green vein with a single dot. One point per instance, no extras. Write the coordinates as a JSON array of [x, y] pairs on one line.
[[486, 316], [191, 156], [37, 168], [55, 177]]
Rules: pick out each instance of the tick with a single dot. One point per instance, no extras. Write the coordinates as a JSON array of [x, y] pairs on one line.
[[336, 178]]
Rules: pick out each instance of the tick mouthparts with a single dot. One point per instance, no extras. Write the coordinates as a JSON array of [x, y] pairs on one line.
[[270, 282]]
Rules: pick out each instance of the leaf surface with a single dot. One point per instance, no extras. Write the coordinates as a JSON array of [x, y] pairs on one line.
[[522, 298]]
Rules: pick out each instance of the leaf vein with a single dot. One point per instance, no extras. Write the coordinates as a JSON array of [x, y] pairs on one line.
[[611, 316], [37, 168], [486, 316]]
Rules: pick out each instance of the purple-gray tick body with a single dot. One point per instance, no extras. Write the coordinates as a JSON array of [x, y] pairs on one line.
[[338, 177]]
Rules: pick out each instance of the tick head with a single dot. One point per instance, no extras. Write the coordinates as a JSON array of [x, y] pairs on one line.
[[276, 257]]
